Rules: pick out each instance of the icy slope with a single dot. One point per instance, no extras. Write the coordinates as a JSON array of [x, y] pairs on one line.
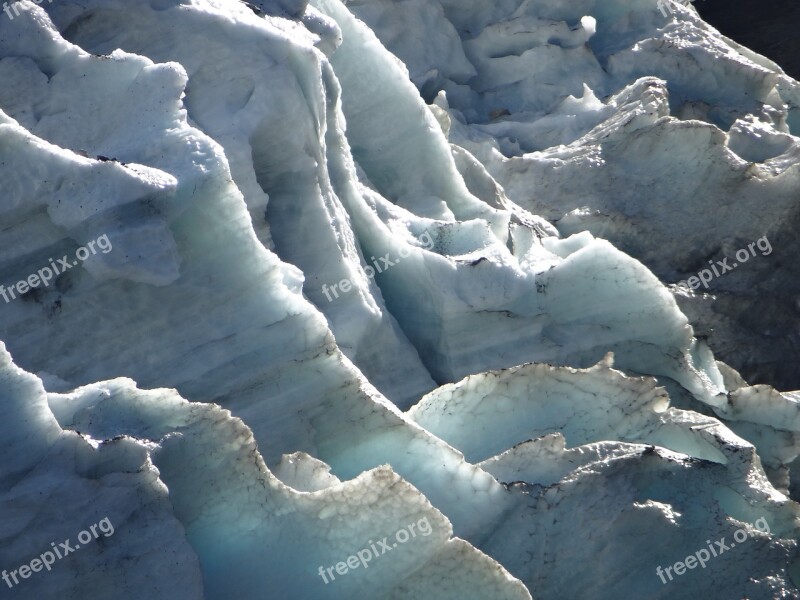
[[261, 138], [271, 360], [644, 347], [684, 479], [262, 534], [516, 288], [642, 125], [219, 491], [55, 484]]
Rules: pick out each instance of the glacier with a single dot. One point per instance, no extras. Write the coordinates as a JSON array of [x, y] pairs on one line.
[[511, 193]]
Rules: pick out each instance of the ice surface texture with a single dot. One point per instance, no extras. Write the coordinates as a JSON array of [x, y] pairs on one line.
[[243, 429], [688, 157]]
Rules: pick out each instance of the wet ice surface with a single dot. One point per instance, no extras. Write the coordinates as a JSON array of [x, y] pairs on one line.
[[245, 431]]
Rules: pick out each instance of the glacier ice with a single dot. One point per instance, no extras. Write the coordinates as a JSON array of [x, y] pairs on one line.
[[55, 482], [663, 158], [509, 188]]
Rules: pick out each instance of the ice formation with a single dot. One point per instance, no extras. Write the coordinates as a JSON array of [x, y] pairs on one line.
[[382, 263]]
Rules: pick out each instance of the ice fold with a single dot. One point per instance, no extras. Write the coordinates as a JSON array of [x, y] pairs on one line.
[[252, 532]]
